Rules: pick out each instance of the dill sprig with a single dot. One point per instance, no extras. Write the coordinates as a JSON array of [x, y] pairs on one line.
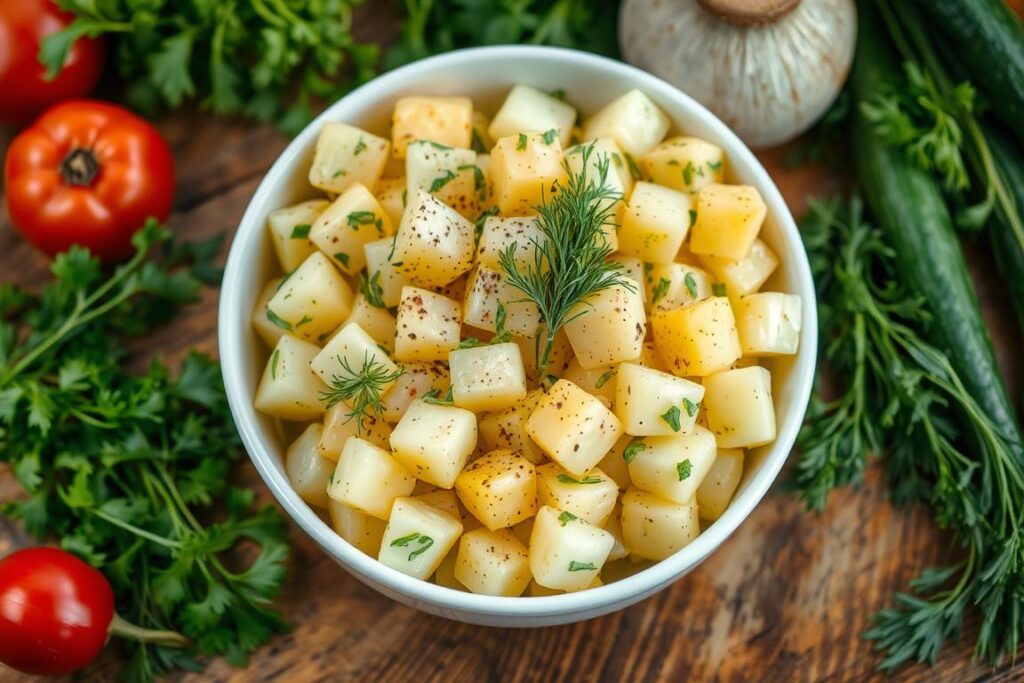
[[903, 400], [570, 261], [360, 390]]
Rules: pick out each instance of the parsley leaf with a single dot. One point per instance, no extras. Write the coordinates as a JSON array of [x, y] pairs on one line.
[[671, 417]]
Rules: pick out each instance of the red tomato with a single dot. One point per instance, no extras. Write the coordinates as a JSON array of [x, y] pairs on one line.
[[54, 611], [88, 173], [26, 92]]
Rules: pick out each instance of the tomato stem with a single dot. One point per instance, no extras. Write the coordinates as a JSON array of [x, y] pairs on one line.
[[124, 629], [80, 167]]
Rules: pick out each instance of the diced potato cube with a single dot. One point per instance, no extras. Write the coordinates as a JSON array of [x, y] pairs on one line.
[[434, 244], [558, 358], [486, 290], [289, 389], [391, 194], [417, 380], [768, 323], [390, 280], [499, 489], [525, 171], [610, 327], [417, 538], [654, 528], [487, 377], [265, 328], [499, 234], [739, 407], [289, 232], [506, 429], [445, 120], [529, 109], [614, 526], [352, 221], [565, 553], [614, 462], [590, 497], [654, 403], [699, 339], [633, 121], [348, 353], [685, 164], [444, 575], [654, 223], [345, 155], [716, 491], [378, 322], [444, 500], [340, 426], [312, 301], [492, 563], [368, 479], [456, 289], [650, 358], [598, 382], [635, 270], [434, 441], [573, 427], [674, 285], [746, 275], [729, 217], [429, 326], [448, 173], [672, 467], [308, 471], [359, 529]]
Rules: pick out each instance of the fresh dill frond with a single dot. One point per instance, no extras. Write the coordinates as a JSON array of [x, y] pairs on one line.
[[361, 390], [570, 262]]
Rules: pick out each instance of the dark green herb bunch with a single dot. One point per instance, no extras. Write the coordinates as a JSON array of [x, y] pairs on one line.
[[126, 469]]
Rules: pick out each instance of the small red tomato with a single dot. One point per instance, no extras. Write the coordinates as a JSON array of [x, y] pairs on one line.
[[26, 92], [55, 611], [88, 173]]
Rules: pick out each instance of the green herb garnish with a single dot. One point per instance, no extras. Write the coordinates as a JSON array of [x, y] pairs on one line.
[[575, 566], [521, 143], [660, 290], [691, 285], [693, 218], [301, 232], [634, 448], [278, 320], [719, 289], [671, 417], [356, 219], [589, 479], [567, 517], [441, 181], [690, 406], [371, 289], [549, 136], [434, 397], [275, 358], [342, 258], [683, 469], [604, 378], [423, 540], [360, 147], [361, 389]]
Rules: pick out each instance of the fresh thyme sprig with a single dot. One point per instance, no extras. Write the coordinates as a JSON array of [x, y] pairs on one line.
[[903, 400], [361, 390], [570, 261]]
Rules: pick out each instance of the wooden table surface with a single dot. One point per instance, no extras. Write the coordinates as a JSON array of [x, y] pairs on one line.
[[784, 599]]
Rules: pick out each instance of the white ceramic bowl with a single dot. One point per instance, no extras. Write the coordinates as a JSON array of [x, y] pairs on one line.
[[486, 74]]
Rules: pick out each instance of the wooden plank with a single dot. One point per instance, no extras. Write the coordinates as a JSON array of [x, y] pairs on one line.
[[784, 599]]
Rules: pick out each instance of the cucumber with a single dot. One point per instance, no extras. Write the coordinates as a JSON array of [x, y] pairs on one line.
[[1009, 159], [909, 207], [988, 39]]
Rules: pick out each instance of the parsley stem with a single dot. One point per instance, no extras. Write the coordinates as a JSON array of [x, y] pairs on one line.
[[148, 535], [124, 629]]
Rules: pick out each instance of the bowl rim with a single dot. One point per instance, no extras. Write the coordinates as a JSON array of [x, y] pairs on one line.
[[623, 591]]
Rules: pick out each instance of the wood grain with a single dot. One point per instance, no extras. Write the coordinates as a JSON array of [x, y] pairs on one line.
[[784, 599]]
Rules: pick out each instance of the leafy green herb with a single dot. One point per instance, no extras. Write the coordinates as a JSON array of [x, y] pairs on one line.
[[903, 399], [479, 184], [521, 142], [688, 173], [719, 289], [683, 469], [434, 397], [671, 417], [278, 320], [693, 217], [129, 470], [567, 517], [660, 290], [361, 389], [691, 285], [604, 378], [589, 479], [371, 289], [549, 136], [275, 359], [634, 169], [356, 219], [342, 258], [477, 143], [266, 60], [570, 262], [714, 165], [558, 94], [423, 540], [634, 448], [301, 232], [481, 220], [501, 335], [305, 320], [690, 406], [360, 147], [441, 181], [575, 566]]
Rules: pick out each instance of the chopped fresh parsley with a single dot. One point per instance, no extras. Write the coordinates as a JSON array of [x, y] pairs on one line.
[[719, 289], [589, 479], [549, 136], [521, 144], [575, 566], [634, 448], [604, 378], [691, 285], [683, 469], [301, 231], [567, 517], [671, 417], [441, 181], [691, 407], [434, 397], [342, 258], [360, 147], [278, 320], [660, 290], [423, 540], [275, 358]]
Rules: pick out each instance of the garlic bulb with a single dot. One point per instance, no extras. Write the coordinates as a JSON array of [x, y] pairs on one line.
[[768, 68]]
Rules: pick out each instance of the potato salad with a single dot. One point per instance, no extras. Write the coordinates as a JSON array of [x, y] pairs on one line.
[[521, 355]]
